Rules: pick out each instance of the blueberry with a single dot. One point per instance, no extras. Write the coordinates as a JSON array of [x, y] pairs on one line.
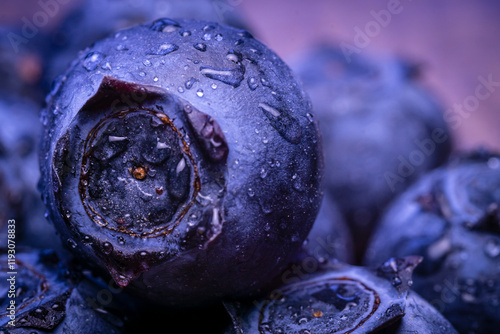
[[50, 298], [19, 173], [380, 130], [93, 20], [338, 298], [450, 217], [330, 237], [21, 64], [184, 195]]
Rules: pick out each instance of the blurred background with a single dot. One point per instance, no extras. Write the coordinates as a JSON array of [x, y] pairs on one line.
[[454, 41]]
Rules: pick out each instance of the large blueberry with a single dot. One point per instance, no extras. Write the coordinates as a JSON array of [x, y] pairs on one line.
[[187, 167]]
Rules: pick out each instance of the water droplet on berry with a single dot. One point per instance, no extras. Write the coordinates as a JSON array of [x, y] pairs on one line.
[[92, 60], [71, 243], [200, 47], [107, 248]]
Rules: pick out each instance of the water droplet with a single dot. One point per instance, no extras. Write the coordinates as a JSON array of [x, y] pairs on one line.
[[209, 27], [214, 86], [189, 84], [286, 125], [180, 166], [180, 89], [207, 37], [87, 240], [147, 63], [239, 42], [244, 33], [185, 33], [163, 49], [164, 25], [155, 79], [199, 92], [263, 173], [142, 74], [121, 47], [251, 193], [143, 253], [396, 281], [232, 77], [492, 248], [235, 57], [107, 248], [200, 47], [92, 60], [310, 117], [121, 240], [265, 82], [219, 37], [71, 243]]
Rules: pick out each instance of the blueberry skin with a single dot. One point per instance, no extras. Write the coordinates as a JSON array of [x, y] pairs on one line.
[[245, 159], [371, 111], [330, 237], [420, 318], [93, 20], [337, 298], [450, 218], [53, 298]]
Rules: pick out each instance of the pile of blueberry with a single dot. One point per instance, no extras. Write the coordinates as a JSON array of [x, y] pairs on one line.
[[191, 181]]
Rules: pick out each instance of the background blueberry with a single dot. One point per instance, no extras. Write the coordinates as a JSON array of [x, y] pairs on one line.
[[450, 217], [380, 130], [20, 130], [330, 237], [187, 167], [19, 173], [21, 66]]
